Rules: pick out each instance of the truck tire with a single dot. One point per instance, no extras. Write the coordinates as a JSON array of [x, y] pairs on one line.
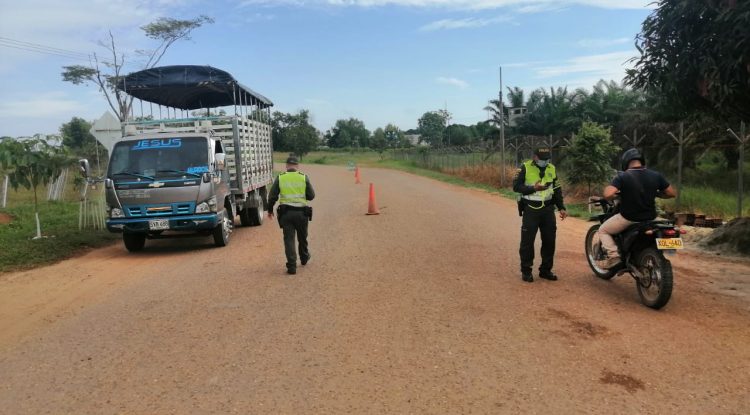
[[134, 242], [253, 216], [222, 232]]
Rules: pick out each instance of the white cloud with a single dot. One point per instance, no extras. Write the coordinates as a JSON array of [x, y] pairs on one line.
[[452, 81], [49, 105], [592, 67], [602, 43], [527, 6], [467, 23], [78, 25], [259, 17]]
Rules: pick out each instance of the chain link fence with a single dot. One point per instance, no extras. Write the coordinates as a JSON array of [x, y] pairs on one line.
[[709, 188]]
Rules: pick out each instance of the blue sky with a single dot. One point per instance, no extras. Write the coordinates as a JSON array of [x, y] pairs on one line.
[[377, 60]]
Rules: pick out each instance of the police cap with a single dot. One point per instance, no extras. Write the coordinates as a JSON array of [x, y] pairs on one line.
[[543, 153], [292, 160]]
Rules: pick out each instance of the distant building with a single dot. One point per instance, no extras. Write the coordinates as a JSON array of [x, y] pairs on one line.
[[514, 114], [54, 140], [414, 140]]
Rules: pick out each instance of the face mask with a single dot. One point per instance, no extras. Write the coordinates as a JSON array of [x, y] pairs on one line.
[[542, 163]]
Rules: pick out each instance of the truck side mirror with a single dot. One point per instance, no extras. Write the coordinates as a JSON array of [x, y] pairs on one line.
[[220, 161], [85, 168]]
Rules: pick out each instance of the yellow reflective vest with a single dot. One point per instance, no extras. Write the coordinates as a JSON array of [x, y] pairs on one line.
[[533, 176], [292, 186]]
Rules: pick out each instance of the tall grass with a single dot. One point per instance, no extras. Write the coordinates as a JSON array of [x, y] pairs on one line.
[[708, 201]]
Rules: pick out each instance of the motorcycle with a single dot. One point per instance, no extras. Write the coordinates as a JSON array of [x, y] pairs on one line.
[[642, 249]]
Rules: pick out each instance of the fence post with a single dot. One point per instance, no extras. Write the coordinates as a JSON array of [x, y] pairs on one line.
[[635, 140], [680, 145], [5, 191], [742, 138]]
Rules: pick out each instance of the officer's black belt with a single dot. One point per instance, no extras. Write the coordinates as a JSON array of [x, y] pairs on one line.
[[298, 208]]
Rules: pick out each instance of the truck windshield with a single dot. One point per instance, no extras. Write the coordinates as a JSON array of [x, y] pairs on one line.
[[159, 158]]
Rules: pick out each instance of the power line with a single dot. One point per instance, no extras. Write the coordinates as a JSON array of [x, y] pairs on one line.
[[42, 49], [43, 52], [40, 46]]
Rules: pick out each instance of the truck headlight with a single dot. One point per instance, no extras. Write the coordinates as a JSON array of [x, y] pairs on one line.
[[116, 213], [207, 206]]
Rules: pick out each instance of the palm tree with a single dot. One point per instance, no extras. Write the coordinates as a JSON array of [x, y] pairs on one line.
[[551, 113], [494, 111], [515, 97]]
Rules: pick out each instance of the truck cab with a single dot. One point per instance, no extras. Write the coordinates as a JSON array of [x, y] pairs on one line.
[[167, 182]]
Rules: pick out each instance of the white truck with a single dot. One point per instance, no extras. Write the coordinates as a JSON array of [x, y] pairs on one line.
[[184, 175]]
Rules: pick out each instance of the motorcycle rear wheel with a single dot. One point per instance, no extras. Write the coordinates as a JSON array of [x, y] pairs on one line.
[[655, 288], [594, 254]]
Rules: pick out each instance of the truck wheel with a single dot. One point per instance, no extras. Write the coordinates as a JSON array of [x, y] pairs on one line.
[[253, 216], [223, 230], [256, 216], [134, 242]]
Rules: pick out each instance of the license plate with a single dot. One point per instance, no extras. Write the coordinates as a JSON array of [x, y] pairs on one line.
[[669, 243], [159, 224]]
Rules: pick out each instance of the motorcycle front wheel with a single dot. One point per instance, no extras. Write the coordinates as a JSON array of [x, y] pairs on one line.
[[655, 285], [594, 254]]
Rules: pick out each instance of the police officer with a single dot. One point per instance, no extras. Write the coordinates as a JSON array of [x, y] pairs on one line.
[[293, 190], [536, 181]]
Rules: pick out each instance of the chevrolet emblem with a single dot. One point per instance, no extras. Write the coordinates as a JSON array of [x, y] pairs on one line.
[[156, 184]]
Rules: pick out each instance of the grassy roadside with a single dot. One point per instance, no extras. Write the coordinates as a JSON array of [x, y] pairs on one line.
[[372, 159], [696, 199], [59, 223]]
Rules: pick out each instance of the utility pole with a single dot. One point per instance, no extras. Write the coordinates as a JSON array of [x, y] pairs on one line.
[[502, 131]]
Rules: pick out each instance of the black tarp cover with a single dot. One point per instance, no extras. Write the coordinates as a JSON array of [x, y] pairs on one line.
[[189, 87]]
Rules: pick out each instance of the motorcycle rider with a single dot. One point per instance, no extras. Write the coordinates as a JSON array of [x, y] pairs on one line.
[[637, 187]]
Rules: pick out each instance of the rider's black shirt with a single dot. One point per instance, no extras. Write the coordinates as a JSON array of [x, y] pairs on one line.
[[638, 189]]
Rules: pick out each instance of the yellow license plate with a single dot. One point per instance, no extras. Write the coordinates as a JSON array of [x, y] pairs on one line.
[[669, 243]]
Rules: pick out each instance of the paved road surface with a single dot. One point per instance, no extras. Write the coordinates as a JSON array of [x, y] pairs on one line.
[[418, 310]]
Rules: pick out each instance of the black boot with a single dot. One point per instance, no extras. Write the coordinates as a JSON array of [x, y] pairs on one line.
[[549, 275]]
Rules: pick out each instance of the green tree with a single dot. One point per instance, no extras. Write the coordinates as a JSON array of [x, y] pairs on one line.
[[695, 54], [515, 97], [30, 164], [589, 155], [349, 133], [79, 141], [395, 138], [105, 74], [294, 133], [432, 126], [486, 131], [460, 135], [379, 142], [497, 115], [551, 113]]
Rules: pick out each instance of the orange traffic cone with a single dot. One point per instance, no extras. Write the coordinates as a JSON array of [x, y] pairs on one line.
[[356, 176], [373, 207]]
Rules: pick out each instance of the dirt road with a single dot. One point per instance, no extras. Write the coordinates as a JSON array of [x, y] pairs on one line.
[[417, 310]]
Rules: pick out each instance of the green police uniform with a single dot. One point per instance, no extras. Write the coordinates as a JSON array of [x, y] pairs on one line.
[[538, 210], [293, 191]]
